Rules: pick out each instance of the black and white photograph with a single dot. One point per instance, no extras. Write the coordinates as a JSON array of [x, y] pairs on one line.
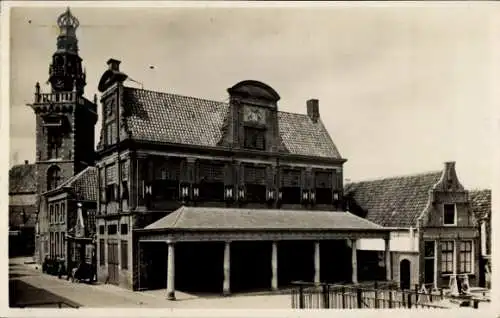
[[252, 156]]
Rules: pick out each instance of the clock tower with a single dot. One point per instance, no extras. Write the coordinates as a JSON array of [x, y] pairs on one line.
[[65, 119]]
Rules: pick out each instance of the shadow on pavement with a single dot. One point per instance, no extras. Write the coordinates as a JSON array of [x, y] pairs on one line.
[[22, 295]]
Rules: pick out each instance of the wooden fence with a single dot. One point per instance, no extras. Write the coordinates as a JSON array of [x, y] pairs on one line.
[[322, 296]]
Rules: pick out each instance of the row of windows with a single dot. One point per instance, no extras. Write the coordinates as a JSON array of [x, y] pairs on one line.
[[57, 213], [464, 253], [112, 229]]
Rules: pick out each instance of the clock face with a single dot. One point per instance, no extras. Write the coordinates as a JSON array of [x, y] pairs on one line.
[[59, 83], [255, 115]]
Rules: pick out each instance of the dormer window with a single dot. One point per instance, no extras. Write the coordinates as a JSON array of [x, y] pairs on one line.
[[449, 214]]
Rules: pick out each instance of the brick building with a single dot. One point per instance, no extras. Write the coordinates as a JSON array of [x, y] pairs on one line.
[[434, 232], [65, 122], [22, 209], [204, 180]]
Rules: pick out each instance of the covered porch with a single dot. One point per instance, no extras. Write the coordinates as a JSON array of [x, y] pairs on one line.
[[226, 250]]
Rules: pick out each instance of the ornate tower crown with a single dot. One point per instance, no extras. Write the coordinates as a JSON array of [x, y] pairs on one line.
[[66, 72], [67, 20], [68, 24]]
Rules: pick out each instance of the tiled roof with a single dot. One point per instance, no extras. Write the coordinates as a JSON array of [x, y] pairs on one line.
[[163, 117], [84, 184], [393, 202], [22, 178], [480, 203], [247, 219]]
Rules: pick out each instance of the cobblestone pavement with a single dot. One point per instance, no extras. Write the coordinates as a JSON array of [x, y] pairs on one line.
[[34, 286]]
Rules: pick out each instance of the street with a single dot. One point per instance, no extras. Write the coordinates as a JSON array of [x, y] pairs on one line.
[[29, 287]]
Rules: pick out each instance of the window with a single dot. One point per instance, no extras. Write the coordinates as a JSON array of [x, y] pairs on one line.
[[123, 229], [52, 245], [53, 177], [63, 212], [63, 244], [51, 213], [465, 263], [54, 144], [447, 257], [323, 185], [291, 187], [101, 229], [255, 138], [111, 183], [110, 192], [56, 218], [57, 244], [449, 217], [212, 182], [112, 229], [110, 130], [124, 254], [102, 260], [255, 183]]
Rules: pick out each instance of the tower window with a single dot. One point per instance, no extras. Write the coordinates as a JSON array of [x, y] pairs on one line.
[[54, 144], [255, 138], [53, 177]]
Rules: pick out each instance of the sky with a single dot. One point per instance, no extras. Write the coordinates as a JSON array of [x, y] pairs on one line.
[[401, 89]]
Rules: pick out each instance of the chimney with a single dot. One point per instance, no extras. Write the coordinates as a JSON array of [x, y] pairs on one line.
[[26, 162], [114, 65], [313, 109]]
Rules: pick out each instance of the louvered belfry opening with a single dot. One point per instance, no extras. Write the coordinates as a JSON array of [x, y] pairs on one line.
[[211, 181], [255, 183], [291, 186]]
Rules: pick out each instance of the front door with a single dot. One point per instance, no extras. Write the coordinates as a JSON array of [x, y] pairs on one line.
[[429, 259], [404, 274], [113, 263]]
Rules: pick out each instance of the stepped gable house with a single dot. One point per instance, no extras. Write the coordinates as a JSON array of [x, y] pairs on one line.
[[434, 231], [223, 196]]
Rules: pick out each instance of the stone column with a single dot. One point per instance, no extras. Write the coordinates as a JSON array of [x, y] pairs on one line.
[[171, 272], [226, 289], [387, 254], [354, 261], [316, 263], [274, 266]]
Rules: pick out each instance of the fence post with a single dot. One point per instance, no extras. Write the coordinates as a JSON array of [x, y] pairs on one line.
[[390, 298], [376, 299], [359, 298], [326, 297], [476, 304], [409, 300], [343, 297], [416, 293], [301, 297]]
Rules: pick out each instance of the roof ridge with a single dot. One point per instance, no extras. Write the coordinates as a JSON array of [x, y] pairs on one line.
[[421, 174], [72, 179], [175, 94]]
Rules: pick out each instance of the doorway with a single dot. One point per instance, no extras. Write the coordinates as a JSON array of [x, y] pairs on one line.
[[404, 274]]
